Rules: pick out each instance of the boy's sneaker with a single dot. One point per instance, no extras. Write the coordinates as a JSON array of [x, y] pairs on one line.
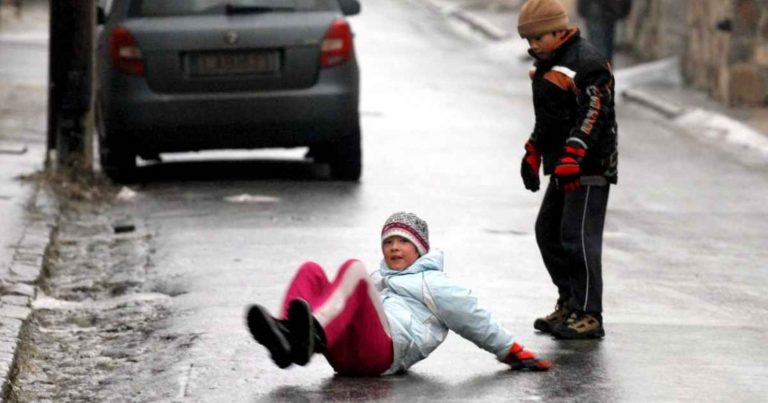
[[580, 325], [270, 333], [549, 322], [302, 330]]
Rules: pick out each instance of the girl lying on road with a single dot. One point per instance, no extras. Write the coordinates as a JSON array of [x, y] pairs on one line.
[[386, 322]]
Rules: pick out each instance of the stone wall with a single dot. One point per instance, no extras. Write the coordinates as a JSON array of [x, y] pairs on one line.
[[722, 44], [654, 30]]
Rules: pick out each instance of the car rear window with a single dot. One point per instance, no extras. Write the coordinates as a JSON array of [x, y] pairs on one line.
[[165, 8]]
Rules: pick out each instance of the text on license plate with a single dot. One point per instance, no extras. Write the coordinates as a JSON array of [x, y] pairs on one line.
[[231, 63]]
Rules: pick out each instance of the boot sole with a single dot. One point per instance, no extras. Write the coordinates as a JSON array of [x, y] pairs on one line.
[[301, 329], [599, 334], [545, 326], [264, 329], [542, 326]]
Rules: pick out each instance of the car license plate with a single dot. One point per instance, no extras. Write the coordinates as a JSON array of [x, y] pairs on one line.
[[233, 63]]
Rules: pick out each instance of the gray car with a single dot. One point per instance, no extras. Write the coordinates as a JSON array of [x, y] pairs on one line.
[[188, 75]]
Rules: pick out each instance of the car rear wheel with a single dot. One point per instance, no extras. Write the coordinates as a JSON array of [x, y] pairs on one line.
[[118, 162], [345, 156]]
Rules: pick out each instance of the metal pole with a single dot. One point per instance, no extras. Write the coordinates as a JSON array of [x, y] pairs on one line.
[[70, 73]]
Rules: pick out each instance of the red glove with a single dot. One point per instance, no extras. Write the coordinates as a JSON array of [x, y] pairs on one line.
[[529, 169], [519, 358], [568, 168]]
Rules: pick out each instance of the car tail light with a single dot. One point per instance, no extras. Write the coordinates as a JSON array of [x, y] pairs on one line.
[[125, 52], [337, 44]]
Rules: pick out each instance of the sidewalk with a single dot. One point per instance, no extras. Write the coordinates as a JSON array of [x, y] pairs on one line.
[[656, 85], [26, 210]]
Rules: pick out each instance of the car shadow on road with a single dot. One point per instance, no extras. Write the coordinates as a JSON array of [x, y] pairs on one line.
[[206, 170]]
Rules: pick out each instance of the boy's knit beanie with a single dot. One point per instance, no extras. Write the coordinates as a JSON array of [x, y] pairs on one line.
[[410, 227], [539, 17]]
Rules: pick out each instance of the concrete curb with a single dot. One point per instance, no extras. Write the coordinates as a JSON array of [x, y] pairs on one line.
[[19, 288], [702, 123], [472, 19], [646, 99], [481, 25], [688, 118]]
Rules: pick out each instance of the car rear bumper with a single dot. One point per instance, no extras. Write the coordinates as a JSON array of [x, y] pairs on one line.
[[164, 122]]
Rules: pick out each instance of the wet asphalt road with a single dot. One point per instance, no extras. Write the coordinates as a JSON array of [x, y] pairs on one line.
[[445, 116]]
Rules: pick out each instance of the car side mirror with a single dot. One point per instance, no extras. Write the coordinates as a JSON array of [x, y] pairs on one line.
[[101, 16], [350, 7]]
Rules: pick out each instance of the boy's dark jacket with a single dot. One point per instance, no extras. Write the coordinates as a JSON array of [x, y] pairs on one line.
[[573, 102]]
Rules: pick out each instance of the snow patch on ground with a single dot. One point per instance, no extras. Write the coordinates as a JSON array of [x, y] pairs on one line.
[[716, 126], [248, 198], [50, 303]]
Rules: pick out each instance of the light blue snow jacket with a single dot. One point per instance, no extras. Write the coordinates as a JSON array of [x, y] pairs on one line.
[[422, 304]]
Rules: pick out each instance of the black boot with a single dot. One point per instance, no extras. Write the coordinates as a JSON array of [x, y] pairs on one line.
[[319, 337], [271, 333], [554, 319], [581, 325], [307, 336]]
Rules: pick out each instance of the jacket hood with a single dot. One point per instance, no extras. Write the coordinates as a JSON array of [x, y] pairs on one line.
[[433, 260]]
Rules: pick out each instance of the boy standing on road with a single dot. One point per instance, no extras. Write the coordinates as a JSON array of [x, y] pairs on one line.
[[386, 322], [575, 135]]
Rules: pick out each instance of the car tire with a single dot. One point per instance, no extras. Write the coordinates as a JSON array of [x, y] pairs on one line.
[[345, 156], [118, 162]]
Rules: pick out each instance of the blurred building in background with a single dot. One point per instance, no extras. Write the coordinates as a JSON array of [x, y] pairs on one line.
[[723, 44]]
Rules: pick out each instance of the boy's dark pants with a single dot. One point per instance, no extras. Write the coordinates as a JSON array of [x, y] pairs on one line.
[[569, 231]]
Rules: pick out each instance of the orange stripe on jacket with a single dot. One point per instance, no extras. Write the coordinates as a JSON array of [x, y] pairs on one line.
[[561, 80]]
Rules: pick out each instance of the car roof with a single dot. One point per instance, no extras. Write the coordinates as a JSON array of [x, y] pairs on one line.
[[148, 8]]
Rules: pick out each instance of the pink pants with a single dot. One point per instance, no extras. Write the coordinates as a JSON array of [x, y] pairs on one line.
[[357, 334]]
